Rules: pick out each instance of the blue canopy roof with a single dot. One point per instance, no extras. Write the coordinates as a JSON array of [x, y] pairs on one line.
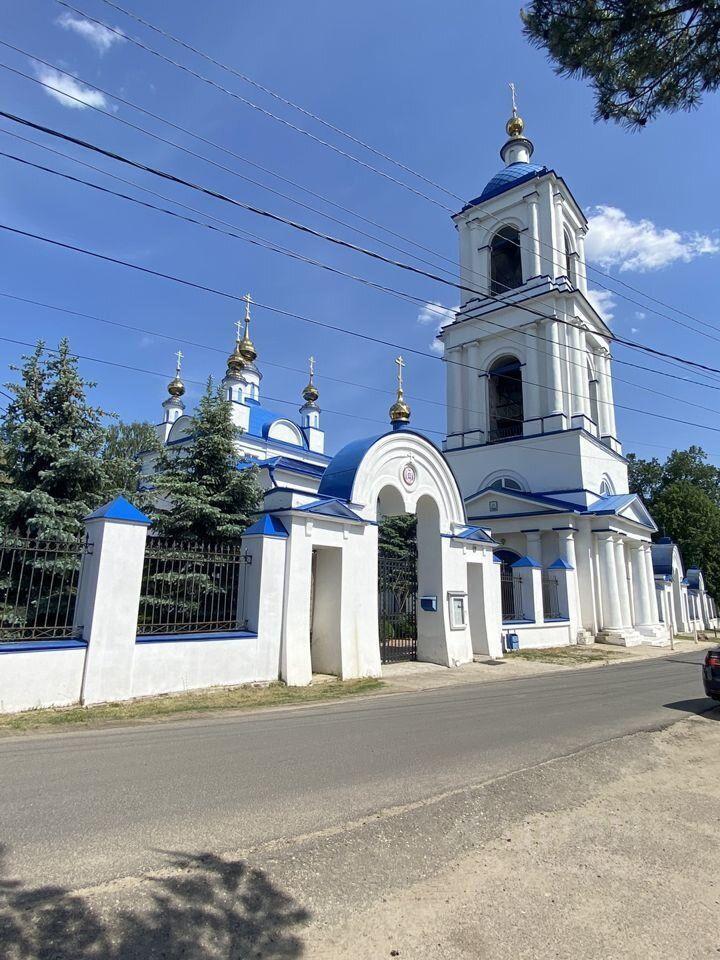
[[339, 477], [507, 178]]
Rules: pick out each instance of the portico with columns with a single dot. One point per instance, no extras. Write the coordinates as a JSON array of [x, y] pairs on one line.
[[531, 429]]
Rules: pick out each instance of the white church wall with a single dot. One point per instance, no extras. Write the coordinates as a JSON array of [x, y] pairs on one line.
[[163, 665], [40, 677]]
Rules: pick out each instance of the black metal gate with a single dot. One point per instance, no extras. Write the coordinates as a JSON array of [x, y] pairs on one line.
[[397, 607]]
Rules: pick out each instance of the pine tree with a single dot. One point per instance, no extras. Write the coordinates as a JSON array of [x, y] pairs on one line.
[[209, 498], [122, 446], [53, 438]]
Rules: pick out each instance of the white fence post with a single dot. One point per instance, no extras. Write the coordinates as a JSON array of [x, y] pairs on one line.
[[265, 543], [109, 599], [530, 573]]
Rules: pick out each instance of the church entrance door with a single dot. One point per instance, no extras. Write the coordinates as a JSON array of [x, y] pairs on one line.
[[397, 608]]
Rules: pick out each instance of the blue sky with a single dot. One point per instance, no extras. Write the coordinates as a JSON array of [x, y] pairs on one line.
[[424, 82]]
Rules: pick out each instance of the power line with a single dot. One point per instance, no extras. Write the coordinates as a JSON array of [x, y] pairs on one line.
[[345, 244], [281, 98], [324, 199], [233, 297], [293, 254], [272, 93], [255, 106]]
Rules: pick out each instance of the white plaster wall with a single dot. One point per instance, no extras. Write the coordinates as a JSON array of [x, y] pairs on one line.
[[325, 644], [360, 635], [40, 678], [169, 666], [536, 636]]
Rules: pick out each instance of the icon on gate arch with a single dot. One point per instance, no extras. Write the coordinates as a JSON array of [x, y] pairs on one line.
[[409, 474]]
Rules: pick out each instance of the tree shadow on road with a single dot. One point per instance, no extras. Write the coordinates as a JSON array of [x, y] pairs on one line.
[[201, 907]]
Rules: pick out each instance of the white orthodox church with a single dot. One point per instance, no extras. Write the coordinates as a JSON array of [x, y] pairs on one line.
[[526, 526]]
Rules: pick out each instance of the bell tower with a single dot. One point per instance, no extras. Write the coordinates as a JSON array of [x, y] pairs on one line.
[[527, 357]]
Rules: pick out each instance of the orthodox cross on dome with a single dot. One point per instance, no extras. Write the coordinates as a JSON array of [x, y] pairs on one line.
[[400, 411], [400, 364], [238, 325], [178, 364], [312, 368], [248, 300], [514, 103], [310, 393]]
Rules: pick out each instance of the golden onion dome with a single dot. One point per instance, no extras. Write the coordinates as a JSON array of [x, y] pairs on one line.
[[515, 126], [400, 411], [246, 347], [236, 361], [176, 388]]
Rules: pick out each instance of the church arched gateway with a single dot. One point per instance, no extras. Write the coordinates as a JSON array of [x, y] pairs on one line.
[[322, 552]]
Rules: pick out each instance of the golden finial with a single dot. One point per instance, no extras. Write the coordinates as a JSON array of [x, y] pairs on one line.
[[515, 124], [236, 361], [400, 411], [246, 346], [310, 393], [176, 388]]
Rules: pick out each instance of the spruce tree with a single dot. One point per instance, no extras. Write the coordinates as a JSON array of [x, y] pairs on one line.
[[53, 438], [122, 446], [209, 498]]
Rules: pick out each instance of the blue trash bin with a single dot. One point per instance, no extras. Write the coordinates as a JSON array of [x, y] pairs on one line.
[[512, 641]]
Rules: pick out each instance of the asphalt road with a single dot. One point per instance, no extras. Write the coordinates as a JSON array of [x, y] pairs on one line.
[[81, 808]]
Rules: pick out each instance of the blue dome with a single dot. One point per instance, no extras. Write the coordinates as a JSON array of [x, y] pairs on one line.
[[508, 177]]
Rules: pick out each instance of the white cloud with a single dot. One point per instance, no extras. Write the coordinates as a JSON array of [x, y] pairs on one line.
[[639, 315], [604, 302], [614, 240], [66, 88], [100, 37], [437, 315]]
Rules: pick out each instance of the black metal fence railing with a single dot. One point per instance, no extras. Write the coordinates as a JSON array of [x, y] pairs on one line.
[[397, 608], [192, 587], [551, 602], [504, 433], [511, 596], [38, 587]]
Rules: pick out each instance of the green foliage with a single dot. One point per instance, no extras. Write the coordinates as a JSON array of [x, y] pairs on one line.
[[52, 439], [123, 444], [397, 537], [641, 57], [211, 500], [683, 496]]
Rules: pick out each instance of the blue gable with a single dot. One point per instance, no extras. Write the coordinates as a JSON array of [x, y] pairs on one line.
[[267, 526]]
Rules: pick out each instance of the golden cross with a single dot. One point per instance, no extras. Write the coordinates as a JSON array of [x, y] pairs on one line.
[[400, 364]]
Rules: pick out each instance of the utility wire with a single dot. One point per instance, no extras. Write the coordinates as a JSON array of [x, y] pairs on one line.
[[255, 106], [324, 199], [280, 98], [290, 103], [303, 228], [190, 283], [230, 233]]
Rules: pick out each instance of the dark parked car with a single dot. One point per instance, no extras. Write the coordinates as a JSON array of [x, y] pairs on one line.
[[711, 673]]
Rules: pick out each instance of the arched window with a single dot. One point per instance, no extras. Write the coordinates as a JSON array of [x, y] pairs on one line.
[[505, 399], [606, 487], [505, 483], [505, 261]]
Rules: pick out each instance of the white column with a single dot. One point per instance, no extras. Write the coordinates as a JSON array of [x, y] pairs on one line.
[[552, 347], [622, 578], [581, 265], [650, 583], [579, 401], [454, 389], [109, 599], [607, 406], [531, 376], [566, 542], [643, 611], [612, 613], [536, 268], [534, 547], [560, 263], [476, 393]]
